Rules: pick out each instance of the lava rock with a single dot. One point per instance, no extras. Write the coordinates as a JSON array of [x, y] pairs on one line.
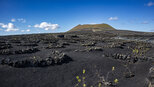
[[65, 43], [74, 36], [28, 44], [89, 44], [94, 49], [150, 78], [128, 75], [56, 58], [60, 36], [60, 58], [27, 51], [5, 46], [127, 58], [5, 52]]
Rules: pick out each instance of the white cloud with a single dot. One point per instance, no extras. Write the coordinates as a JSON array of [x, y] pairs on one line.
[[13, 20], [145, 22], [22, 30], [28, 30], [29, 26], [9, 27], [113, 18], [25, 30], [3, 25], [46, 26], [150, 4], [21, 20]]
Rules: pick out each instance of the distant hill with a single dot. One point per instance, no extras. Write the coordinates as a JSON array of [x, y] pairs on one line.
[[92, 27]]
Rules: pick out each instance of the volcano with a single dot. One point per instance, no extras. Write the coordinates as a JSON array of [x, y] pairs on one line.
[[92, 27]]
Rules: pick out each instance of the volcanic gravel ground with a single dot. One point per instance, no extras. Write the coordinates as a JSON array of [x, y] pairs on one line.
[[55, 60]]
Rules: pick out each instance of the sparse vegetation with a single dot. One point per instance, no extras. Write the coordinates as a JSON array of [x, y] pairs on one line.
[[102, 80]]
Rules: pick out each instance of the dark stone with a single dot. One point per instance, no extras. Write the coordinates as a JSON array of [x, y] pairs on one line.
[[5, 46], [5, 52], [129, 75], [56, 58], [60, 36], [28, 44], [27, 51]]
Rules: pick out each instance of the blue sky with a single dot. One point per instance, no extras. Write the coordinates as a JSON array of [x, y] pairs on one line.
[[51, 16]]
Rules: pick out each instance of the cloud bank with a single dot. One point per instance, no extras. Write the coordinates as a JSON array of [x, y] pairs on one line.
[[150, 4], [113, 18], [9, 27], [21, 20], [28, 30], [13, 20], [18, 20], [47, 26], [145, 22]]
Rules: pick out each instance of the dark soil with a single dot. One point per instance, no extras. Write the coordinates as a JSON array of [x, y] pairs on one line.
[[55, 60]]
